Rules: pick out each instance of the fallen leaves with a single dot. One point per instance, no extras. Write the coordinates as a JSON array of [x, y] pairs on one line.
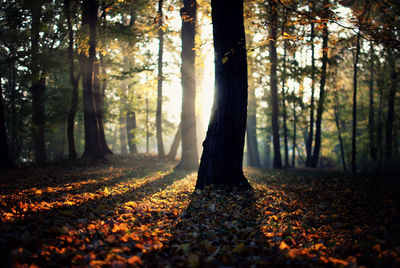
[[135, 211]]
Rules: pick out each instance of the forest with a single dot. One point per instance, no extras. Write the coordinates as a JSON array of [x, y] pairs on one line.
[[199, 133]]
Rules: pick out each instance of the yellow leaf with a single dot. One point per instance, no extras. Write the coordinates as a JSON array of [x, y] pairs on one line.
[[283, 246], [224, 59]]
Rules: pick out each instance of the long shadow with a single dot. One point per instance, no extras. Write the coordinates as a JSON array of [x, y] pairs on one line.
[[37, 224], [217, 229], [54, 175]]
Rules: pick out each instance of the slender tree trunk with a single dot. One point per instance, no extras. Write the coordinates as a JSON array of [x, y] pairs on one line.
[[189, 159], [294, 135], [38, 88], [337, 121], [160, 144], [273, 20], [311, 131], [175, 143], [253, 155], [75, 84], [380, 119], [390, 114], [5, 160], [371, 116], [122, 133], [93, 145], [130, 130], [354, 132], [267, 153], [222, 158], [284, 112], [147, 125], [320, 108]]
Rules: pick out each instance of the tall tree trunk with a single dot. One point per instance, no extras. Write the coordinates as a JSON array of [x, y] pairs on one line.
[[38, 88], [147, 125], [390, 113], [99, 92], [122, 133], [75, 84], [354, 128], [93, 145], [273, 21], [379, 137], [5, 160], [337, 121], [189, 159], [371, 116], [130, 130], [311, 131], [294, 135], [222, 158], [284, 112], [320, 108], [160, 144], [175, 143], [253, 155]]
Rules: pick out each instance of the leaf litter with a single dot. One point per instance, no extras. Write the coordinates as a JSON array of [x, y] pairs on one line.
[[139, 211]]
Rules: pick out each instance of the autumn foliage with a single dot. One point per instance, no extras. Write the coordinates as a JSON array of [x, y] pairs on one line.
[[135, 211]]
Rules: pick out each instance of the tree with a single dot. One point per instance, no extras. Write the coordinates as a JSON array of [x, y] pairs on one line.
[[284, 111], [74, 82], [93, 144], [189, 159], [354, 132], [38, 86], [273, 21], [390, 113], [175, 143], [160, 144], [320, 108], [222, 158], [5, 160]]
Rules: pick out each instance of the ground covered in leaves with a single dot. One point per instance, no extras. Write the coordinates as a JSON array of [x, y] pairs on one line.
[[138, 211]]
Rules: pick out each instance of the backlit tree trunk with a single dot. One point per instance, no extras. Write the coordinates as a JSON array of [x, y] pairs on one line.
[[320, 108], [93, 145], [189, 159], [337, 121], [284, 111], [222, 158], [130, 131], [75, 84], [122, 133], [38, 88], [175, 143], [273, 20], [311, 130], [371, 116], [160, 144]]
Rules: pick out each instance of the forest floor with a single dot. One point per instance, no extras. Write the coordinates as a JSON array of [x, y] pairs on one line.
[[138, 211]]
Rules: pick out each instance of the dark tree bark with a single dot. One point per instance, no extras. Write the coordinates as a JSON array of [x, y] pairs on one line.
[[147, 125], [311, 130], [5, 160], [320, 108], [175, 143], [371, 116], [354, 125], [390, 113], [99, 92], [294, 134], [123, 133], [253, 155], [75, 84], [222, 158], [160, 144], [273, 21], [130, 130], [189, 159], [38, 88], [93, 146], [284, 112], [379, 136], [338, 125]]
